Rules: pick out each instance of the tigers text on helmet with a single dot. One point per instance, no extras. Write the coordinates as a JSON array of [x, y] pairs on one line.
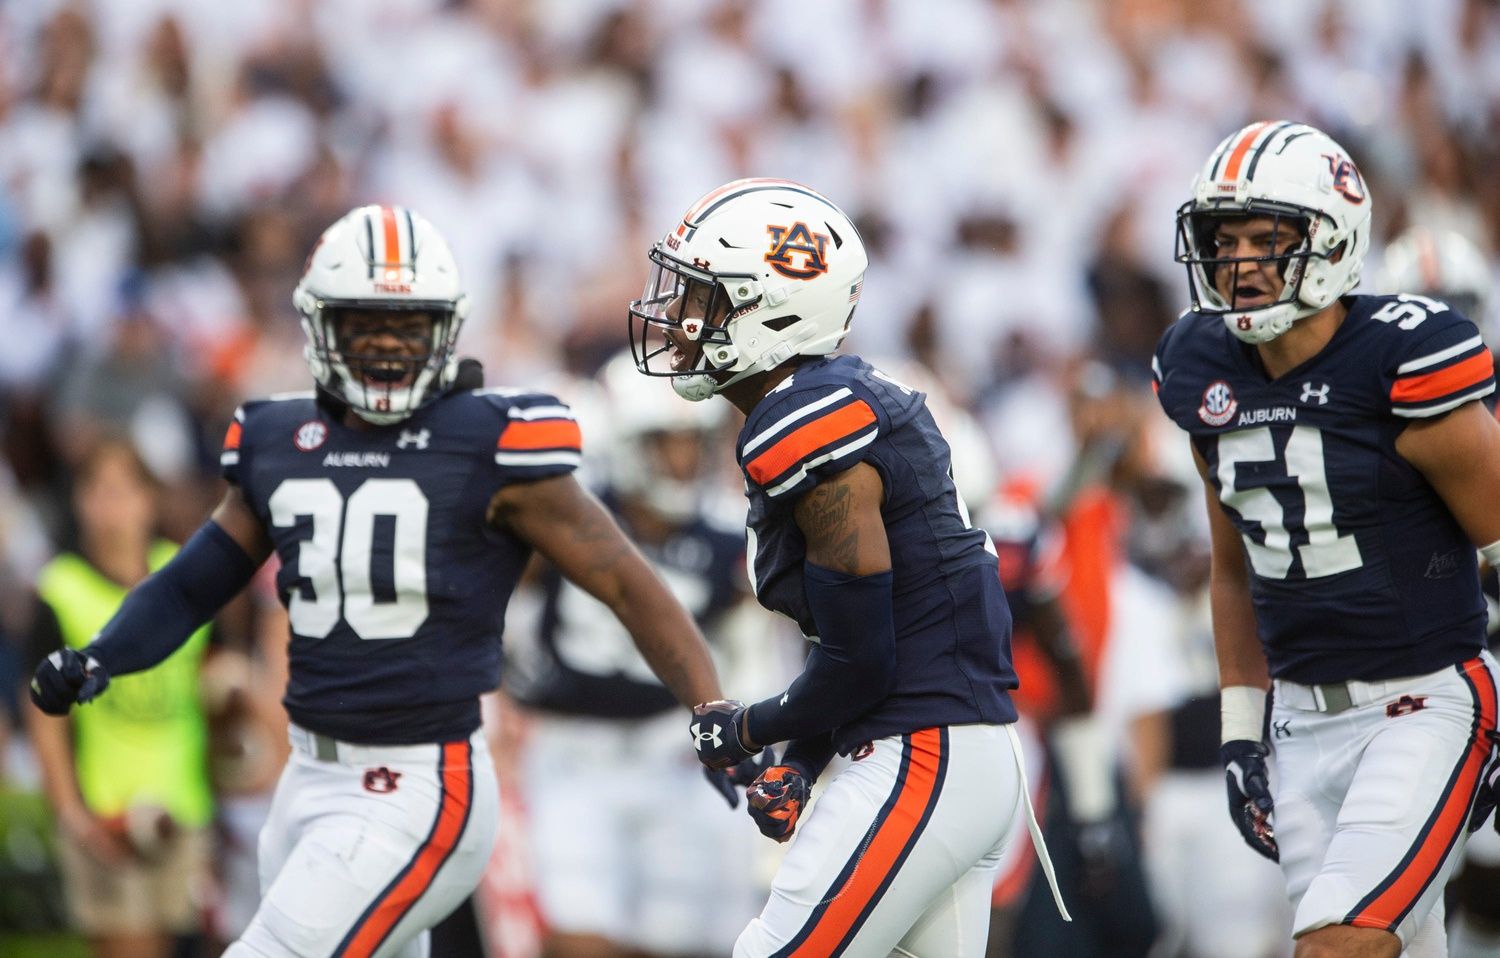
[[758, 271], [1309, 190], [381, 263], [1441, 264]]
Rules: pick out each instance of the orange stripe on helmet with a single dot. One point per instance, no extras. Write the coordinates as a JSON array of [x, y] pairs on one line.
[[390, 236], [1471, 372], [453, 813], [704, 201], [1442, 829], [883, 850], [844, 421], [1237, 155], [232, 437], [544, 434]]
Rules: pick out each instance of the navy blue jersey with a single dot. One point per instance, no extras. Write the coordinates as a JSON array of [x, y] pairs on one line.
[[952, 622], [1358, 569], [584, 662], [394, 584]]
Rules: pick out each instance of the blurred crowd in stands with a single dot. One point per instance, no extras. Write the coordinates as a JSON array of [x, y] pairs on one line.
[[1013, 165]]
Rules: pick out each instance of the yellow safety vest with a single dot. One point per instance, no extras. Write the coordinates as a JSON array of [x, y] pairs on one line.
[[145, 740]]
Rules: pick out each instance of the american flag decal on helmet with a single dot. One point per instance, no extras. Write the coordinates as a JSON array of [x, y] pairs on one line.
[[854, 290]]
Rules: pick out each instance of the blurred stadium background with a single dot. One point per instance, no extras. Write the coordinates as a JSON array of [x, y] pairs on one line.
[[1013, 165]]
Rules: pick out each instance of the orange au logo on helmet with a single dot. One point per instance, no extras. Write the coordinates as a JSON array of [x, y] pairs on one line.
[[797, 252], [1346, 178]]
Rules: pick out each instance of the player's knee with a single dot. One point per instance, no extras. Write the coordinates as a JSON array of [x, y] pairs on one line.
[[1346, 941]]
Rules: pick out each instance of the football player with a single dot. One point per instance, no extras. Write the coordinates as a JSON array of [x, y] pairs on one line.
[[402, 506], [598, 715], [856, 532], [1447, 266], [1350, 469]]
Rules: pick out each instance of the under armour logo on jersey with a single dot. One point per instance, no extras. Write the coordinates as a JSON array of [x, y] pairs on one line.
[[711, 736], [380, 780], [1282, 729], [1309, 393], [1406, 705], [418, 438]]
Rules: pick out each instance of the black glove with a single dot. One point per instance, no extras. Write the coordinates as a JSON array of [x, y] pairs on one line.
[[1250, 802], [716, 733], [64, 677], [1489, 789], [775, 800], [728, 781]]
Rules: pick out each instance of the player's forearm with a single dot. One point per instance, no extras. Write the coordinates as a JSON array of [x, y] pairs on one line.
[[159, 615], [667, 638], [1241, 659], [852, 667]]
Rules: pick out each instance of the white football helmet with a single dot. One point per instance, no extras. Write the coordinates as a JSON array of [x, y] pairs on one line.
[[640, 411], [1442, 264], [758, 271], [1300, 178], [381, 258]]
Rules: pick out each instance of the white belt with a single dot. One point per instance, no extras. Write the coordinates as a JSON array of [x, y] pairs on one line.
[[1037, 841], [1332, 697], [326, 749]]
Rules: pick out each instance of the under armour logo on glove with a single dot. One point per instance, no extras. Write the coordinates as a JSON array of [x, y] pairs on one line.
[[1250, 804], [716, 733], [711, 736]]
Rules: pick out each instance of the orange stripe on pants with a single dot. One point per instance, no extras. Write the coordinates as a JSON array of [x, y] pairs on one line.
[[453, 814], [1403, 890], [883, 851]]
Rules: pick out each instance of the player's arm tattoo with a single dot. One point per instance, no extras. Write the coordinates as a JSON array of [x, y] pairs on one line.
[[843, 525]]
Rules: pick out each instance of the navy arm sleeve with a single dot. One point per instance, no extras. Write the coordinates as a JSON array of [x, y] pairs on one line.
[[159, 615], [851, 668]]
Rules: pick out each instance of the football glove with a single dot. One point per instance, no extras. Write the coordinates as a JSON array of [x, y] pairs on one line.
[[775, 800], [1250, 804], [64, 677], [729, 781], [716, 733]]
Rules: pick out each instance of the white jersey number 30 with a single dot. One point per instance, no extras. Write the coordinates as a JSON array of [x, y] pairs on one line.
[[336, 558]]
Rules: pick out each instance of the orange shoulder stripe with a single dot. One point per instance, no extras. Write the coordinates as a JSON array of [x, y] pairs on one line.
[[542, 434], [1435, 385], [827, 428], [232, 437]]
